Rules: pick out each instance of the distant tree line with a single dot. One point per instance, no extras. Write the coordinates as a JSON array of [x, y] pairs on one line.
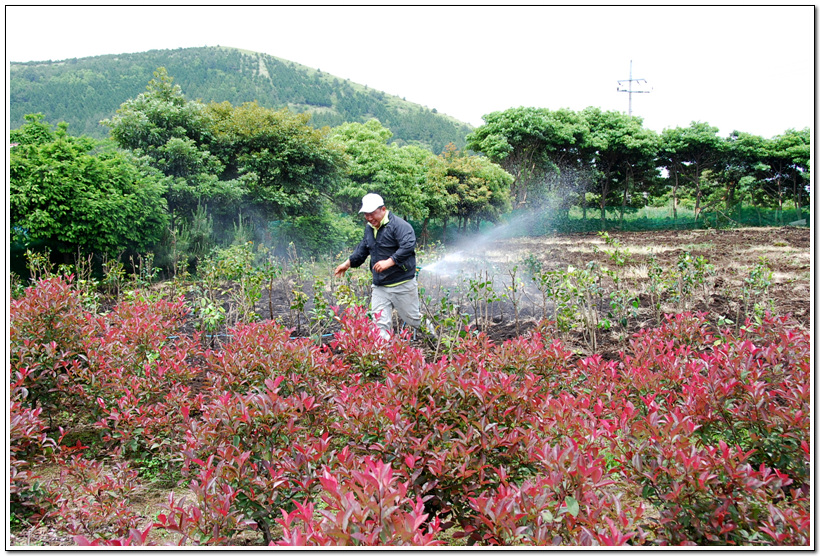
[[193, 175], [82, 92], [178, 177], [607, 159]]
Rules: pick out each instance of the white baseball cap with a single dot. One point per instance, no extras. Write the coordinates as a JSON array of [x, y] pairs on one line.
[[371, 202]]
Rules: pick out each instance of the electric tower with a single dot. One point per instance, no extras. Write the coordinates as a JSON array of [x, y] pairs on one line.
[[629, 89]]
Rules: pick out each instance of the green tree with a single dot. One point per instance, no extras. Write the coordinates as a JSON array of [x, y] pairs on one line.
[[286, 165], [365, 149], [438, 196], [163, 125], [173, 133], [741, 156], [263, 163], [435, 203], [479, 188], [394, 172], [72, 199], [689, 152], [409, 166], [797, 144], [621, 150], [784, 167], [669, 158], [639, 168], [529, 143]]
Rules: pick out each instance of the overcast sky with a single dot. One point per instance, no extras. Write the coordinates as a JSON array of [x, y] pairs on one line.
[[745, 68]]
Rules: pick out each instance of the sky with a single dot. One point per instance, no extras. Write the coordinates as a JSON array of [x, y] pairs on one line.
[[738, 68]]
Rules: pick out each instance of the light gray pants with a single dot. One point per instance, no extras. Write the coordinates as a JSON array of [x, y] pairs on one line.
[[404, 298]]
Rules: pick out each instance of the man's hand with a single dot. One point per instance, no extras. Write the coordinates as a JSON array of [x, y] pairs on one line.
[[381, 266], [341, 269]]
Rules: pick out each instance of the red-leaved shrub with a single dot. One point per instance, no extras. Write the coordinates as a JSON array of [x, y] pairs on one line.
[[692, 435]]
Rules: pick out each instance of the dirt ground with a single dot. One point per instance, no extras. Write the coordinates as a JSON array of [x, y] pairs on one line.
[[732, 253]]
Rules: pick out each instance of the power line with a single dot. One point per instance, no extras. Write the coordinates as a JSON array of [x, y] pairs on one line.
[[629, 89]]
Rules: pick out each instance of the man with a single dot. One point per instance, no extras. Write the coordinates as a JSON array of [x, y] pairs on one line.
[[391, 244]]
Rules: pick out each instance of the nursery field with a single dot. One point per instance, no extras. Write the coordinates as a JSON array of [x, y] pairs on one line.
[[722, 273], [592, 389]]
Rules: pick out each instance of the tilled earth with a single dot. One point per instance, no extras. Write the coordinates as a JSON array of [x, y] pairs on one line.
[[732, 253]]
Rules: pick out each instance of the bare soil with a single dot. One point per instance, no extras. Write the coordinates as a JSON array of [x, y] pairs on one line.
[[733, 253]]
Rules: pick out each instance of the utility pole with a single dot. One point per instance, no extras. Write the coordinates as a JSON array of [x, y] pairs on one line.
[[629, 87]]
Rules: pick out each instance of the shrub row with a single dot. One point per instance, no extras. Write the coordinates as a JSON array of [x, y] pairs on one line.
[[692, 436]]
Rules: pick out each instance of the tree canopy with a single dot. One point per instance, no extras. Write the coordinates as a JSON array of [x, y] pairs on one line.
[[285, 164], [270, 163], [64, 194], [189, 167]]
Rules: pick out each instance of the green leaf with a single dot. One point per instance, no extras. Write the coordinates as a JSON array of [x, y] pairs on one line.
[[572, 506]]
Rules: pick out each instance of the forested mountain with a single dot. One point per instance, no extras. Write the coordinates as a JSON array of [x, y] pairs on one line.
[[83, 91]]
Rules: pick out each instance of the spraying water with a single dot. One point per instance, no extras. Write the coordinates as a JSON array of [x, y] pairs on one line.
[[476, 251], [449, 265], [555, 195]]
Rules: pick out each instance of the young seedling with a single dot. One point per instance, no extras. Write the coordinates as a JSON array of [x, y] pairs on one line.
[[755, 291]]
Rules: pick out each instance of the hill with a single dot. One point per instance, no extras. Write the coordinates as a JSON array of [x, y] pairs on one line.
[[83, 91]]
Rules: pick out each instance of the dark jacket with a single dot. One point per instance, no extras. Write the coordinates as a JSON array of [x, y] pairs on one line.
[[395, 239]]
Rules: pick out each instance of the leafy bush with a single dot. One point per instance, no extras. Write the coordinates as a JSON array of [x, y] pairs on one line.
[[46, 335], [64, 193], [364, 504], [29, 445], [91, 498], [692, 436]]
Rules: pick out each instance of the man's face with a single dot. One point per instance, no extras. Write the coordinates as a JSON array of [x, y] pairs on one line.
[[374, 218]]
